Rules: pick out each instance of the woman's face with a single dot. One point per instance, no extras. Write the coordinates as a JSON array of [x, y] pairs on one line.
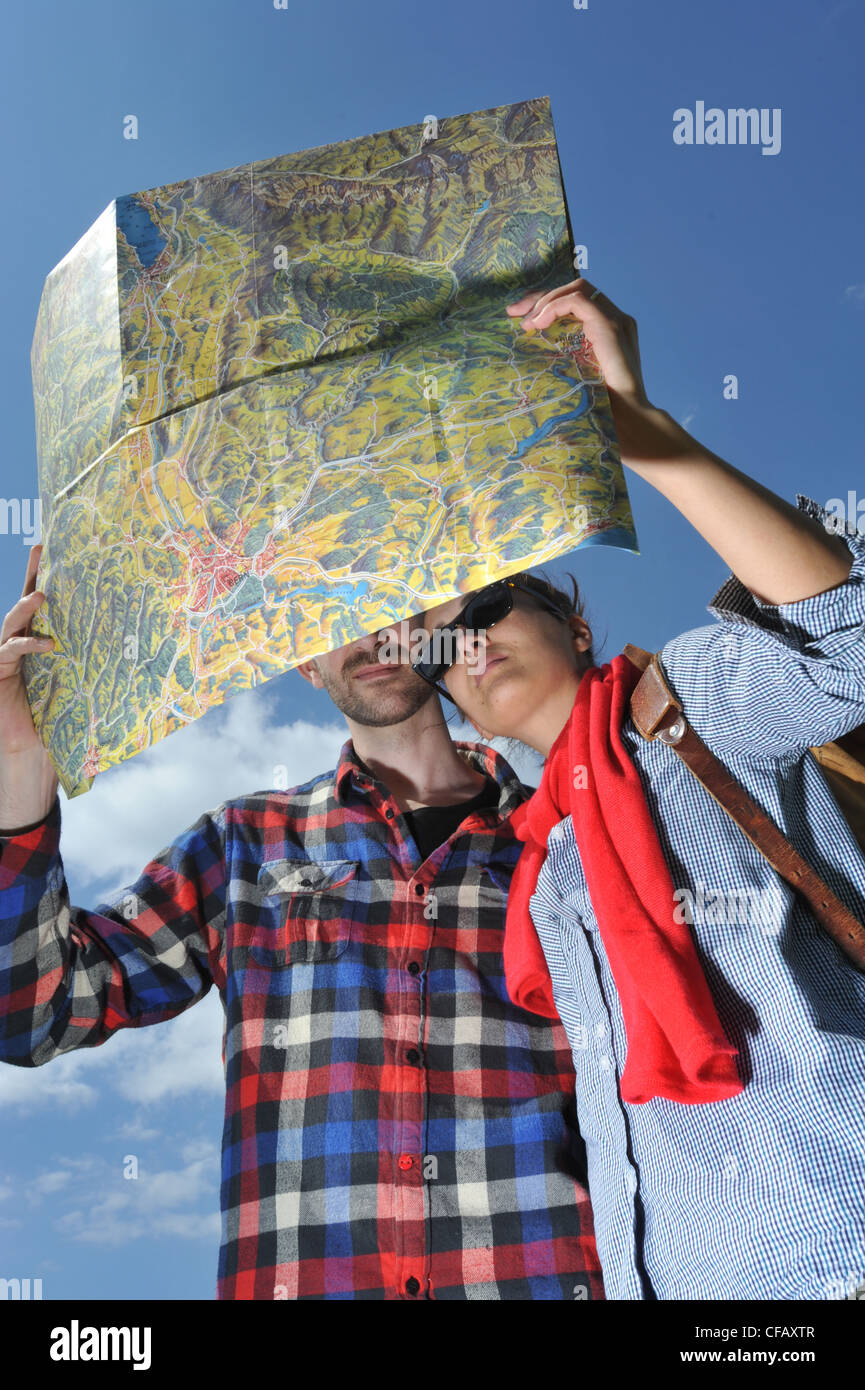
[[518, 678]]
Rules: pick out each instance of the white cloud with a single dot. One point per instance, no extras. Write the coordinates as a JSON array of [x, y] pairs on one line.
[[182, 1057], [37, 1088], [111, 1210], [141, 1065], [134, 810], [137, 1130], [51, 1181], [856, 292]]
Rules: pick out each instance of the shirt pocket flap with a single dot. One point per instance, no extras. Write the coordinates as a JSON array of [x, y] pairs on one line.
[[287, 876]]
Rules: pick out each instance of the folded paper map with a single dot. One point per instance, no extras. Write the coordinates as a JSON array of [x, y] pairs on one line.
[[282, 406]]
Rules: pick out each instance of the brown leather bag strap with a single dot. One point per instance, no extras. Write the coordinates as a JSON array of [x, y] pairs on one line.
[[658, 714]]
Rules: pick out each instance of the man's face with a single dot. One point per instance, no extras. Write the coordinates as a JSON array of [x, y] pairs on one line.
[[367, 690]]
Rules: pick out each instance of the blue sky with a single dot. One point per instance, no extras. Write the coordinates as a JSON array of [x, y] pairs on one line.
[[732, 262]]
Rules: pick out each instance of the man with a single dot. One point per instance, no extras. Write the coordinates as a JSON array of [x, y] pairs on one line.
[[395, 1128]]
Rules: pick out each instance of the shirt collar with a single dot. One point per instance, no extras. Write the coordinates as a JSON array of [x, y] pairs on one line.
[[353, 778]]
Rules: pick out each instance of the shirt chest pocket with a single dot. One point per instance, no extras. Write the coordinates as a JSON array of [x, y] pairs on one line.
[[307, 911]]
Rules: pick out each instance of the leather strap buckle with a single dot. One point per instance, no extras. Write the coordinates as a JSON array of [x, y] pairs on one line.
[[651, 704], [675, 732], [657, 714]]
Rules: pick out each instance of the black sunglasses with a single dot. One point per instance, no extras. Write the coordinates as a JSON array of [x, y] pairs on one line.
[[484, 609]]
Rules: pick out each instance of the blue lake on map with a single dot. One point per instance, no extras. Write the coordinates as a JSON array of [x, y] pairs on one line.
[[140, 230]]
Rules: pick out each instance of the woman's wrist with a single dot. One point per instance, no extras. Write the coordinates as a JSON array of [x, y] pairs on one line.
[[650, 437]]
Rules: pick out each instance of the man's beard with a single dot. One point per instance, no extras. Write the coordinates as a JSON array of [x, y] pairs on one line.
[[378, 707]]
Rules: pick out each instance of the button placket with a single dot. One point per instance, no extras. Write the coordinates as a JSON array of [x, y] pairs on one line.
[[410, 1195]]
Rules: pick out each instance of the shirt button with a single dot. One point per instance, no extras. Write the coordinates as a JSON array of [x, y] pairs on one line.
[[413, 968], [600, 1030], [419, 889], [412, 1286], [412, 1056], [604, 1063], [389, 813], [405, 1162]]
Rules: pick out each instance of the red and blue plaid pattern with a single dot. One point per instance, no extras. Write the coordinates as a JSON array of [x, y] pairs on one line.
[[395, 1128]]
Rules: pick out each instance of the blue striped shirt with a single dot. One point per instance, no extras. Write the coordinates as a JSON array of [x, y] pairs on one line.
[[761, 1195]]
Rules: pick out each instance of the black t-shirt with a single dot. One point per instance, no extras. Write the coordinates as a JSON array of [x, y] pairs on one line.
[[431, 825]]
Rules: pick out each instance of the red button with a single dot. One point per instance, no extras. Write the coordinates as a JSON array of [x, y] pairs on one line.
[[405, 1162]]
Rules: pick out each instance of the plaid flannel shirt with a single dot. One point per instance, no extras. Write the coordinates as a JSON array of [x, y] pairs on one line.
[[395, 1127]]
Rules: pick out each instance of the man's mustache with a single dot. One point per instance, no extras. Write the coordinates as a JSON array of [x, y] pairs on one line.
[[374, 661]]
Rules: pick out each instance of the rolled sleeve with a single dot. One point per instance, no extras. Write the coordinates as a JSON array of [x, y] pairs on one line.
[[771, 680], [825, 625], [69, 976]]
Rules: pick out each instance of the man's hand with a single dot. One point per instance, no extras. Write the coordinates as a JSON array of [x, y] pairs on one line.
[[28, 783]]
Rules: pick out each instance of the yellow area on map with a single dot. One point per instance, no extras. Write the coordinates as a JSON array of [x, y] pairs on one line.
[[282, 406]]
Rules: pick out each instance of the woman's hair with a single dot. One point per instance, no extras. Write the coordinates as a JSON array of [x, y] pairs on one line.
[[567, 604]]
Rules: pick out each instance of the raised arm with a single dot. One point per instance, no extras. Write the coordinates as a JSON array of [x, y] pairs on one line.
[[28, 782], [776, 551]]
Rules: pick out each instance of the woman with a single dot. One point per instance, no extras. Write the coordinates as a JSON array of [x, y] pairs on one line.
[[720, 1056]]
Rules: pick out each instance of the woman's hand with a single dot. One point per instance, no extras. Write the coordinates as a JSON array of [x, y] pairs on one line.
[[644, 432], [778, 552]]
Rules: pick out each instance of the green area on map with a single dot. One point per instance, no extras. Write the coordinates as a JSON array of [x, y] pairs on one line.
[[282, 406]]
